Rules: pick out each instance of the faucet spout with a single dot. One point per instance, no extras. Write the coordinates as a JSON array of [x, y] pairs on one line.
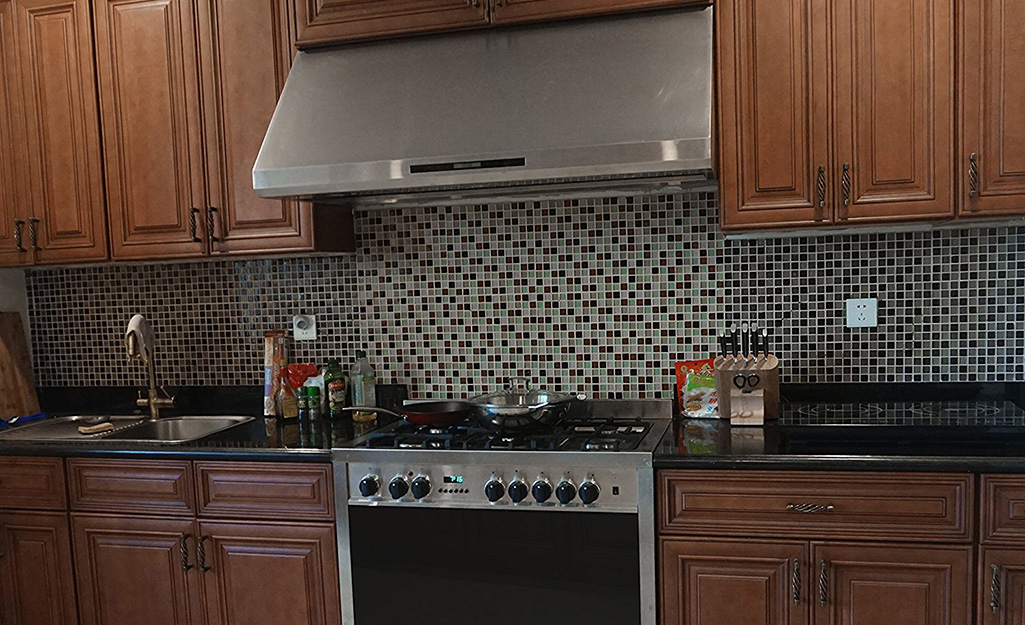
[[140, 343]]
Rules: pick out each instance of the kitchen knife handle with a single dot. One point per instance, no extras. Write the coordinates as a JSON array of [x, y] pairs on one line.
[[193, 226], [994, 589], [18, 225], [795, 582], [822, 186], [183, 547], [973, 175], [823, 582], [33, 233], [201, 553]]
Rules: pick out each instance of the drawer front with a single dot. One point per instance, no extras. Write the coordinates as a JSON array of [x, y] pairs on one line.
[[32, 484], [876, 506], [1002, 502], [162, 487], [265, 490]]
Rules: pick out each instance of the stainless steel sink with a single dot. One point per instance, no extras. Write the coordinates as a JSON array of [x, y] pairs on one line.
[[127, 429]]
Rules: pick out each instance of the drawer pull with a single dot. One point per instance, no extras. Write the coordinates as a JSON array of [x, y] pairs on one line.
[[201, 553], [795, 583], [973, 175], [183, 546], [823, 582], [994, 589], [808, 508], [821, 186]]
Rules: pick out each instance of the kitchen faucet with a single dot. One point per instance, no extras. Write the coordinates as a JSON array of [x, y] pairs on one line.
[[141, 344]]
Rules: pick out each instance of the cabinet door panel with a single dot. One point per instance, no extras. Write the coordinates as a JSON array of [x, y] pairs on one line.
[[896, 585], [894, 109], [150, 103], [11, 155], [62, 129], [299, 560], [248, 53], [712, 583], [1002, 587], [130, 571], [773, 116], [37, 586], [326, 21], [511, 11], [993, 107]]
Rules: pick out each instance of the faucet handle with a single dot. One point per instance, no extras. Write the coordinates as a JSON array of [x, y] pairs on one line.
[[169, 396]]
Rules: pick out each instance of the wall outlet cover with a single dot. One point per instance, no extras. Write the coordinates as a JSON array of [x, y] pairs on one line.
[[863, 313], [304, 327]]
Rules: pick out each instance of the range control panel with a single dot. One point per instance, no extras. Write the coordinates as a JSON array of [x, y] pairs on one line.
[[538, 488]]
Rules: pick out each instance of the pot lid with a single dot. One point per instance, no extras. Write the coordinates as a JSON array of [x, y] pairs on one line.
[[521, 396]]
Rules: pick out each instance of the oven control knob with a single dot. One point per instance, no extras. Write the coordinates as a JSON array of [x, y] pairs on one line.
[[589, 492], [542, 490], [421, 486], [398, 487], [518, 491], [494, 489], [370, 486], [566, 491]]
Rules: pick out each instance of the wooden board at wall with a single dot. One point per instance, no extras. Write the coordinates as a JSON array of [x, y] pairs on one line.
[[17, 386]]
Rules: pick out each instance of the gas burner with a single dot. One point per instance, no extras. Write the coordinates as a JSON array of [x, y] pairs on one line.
[[844, 412], [955, 410]]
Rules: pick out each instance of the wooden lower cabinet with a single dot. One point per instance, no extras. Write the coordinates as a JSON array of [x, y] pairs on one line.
[[892, 584], [134, 570], [1001, 587], [37, 586], [734, 582], [299, 561]]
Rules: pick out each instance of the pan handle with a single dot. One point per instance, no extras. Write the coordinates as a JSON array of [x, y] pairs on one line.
[[374, 409]]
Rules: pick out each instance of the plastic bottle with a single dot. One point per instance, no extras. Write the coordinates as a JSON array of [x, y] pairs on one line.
[[363, 382], [337, 383]]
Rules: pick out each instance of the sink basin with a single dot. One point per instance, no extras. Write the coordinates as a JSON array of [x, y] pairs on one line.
[[127, 429]]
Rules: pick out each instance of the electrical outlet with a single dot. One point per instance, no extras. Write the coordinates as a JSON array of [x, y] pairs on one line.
[[304, 327], [863, 313]]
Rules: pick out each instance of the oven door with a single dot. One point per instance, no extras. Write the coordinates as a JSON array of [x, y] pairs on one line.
[[444, 566]]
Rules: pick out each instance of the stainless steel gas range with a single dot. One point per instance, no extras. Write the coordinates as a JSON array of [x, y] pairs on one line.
[[461, 526]]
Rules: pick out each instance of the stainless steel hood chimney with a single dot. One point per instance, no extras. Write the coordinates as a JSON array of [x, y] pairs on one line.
[[594, 101]]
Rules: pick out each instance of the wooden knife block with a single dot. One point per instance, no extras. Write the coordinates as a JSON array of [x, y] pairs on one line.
[[748, 406]]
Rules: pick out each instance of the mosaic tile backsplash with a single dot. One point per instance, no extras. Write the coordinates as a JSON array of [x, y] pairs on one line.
[[597, 296]]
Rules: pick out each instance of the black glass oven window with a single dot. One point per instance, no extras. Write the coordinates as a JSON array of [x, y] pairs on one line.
[[494, 567]]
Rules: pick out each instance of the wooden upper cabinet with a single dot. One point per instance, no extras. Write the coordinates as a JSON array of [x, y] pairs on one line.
[[331, 21], [894, 104], [992, 78], [511, 11], [62, 139], [37, 586], [895, 585], [13, 253], [773, 115], [247, 53], [149, 97], [714, 583]]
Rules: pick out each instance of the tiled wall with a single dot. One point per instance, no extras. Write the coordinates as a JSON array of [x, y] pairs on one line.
[[600, 296]]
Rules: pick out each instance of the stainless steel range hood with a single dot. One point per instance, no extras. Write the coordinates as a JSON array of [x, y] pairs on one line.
[[597, 102]]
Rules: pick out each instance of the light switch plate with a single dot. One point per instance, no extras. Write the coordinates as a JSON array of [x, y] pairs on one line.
[[863, 313], [304, 327]]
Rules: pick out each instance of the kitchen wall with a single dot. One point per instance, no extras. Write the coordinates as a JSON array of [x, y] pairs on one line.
[[600, 296]]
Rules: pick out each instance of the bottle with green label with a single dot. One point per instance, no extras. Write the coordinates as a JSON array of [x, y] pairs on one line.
[[363, 381], [337, 384]]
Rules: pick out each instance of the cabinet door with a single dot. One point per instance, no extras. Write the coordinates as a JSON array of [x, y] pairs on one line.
[[993, 107], [149, 97], [510, 11], [36, 582], [713, 583], [892, 585], [300, 562], [774, 165], [1002, 587], [327, 21], [62, 136], [135, 570], [894, 102], [13, 253], [247, 55]]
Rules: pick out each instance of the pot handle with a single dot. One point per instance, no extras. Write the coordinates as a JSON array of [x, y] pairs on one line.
[[512, 384]]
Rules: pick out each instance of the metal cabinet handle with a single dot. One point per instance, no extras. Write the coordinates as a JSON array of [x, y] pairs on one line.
[[822, 186], [823, 582], [183, 547], [473, 3], [845, 184], [809, 508], [795, 582], [201, 553], [18, 225], [211, 215], [33, 233], [973, 175], [994, 589], [193, 226]]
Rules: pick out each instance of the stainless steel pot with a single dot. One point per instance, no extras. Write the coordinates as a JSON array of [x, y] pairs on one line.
[[519, 407]]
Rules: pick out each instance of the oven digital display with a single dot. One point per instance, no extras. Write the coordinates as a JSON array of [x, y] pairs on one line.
[[453, 479]]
